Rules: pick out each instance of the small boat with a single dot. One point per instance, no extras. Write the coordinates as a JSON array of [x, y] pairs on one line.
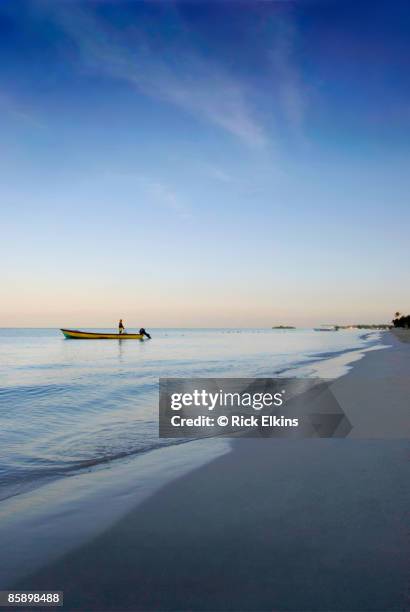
[[85, 335], [327, 328]]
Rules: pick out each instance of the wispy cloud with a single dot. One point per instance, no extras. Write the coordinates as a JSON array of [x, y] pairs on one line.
[[178, 76], [217, 173], [154, 191], [286, 76], [163, 195], [18, 112]]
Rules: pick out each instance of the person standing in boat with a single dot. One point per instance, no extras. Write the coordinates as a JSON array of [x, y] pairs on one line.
[[121, 327]]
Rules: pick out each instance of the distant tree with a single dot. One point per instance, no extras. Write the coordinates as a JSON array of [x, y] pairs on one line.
[[401, 320]]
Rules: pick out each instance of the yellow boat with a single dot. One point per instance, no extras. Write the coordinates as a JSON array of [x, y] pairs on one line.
[[83, 335]]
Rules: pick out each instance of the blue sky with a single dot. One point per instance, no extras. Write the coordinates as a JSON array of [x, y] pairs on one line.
[[204, 163]]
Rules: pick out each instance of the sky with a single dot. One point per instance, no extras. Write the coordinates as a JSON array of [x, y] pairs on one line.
[[204, 163]]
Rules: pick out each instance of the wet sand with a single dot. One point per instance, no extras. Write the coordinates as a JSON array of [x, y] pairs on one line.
[[318, 524], [402, 334]]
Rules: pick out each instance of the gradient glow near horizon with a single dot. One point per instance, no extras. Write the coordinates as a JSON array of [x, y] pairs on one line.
[[204, 163]]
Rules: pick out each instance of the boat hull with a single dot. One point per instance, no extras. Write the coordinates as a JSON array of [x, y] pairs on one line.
[[75, 334]]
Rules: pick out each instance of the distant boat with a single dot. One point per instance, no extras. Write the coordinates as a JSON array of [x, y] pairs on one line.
[[283, 327], [85, 335], [328, 328]]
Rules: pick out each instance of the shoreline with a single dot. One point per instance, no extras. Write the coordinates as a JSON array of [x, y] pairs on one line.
[[273, 524], [330, 365]]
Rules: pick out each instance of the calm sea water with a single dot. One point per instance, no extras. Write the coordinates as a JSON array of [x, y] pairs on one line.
[[68, 405]]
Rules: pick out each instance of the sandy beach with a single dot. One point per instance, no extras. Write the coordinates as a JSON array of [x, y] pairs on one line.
[[402, 334], [273, 525]]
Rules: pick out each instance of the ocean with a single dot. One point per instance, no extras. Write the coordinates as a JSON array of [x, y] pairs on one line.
[[68, 405]]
